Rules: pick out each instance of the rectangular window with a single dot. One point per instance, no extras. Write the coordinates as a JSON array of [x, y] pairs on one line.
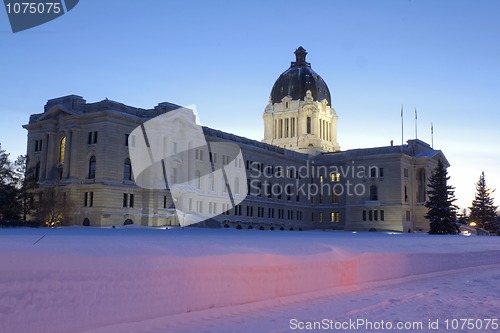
[[405, 171], [375, 215], [199, 154], [131, 202], [335, 198], [85, 200], [36, 145], [91, 203], [381, 172], [164, 201], [370, 215], [408, 215], [364, 215], [334, 217], [125, 199], [320, 216], [92, 138], [174, 176], [382, 215], [126, 140]]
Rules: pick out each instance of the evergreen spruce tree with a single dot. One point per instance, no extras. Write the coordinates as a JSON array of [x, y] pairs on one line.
[[483, 210], [442, 211]]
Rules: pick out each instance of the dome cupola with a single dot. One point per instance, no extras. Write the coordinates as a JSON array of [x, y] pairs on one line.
[[298, 79], [299, 115]]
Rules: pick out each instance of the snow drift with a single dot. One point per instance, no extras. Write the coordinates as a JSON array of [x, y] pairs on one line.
[[77, 279]]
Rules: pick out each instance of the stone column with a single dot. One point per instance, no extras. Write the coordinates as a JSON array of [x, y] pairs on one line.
[[49, 161], [73, 167], [43, 157]]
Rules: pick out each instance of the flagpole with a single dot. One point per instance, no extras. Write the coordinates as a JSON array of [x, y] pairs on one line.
[[402, 126], [432, 135], [416, 126]]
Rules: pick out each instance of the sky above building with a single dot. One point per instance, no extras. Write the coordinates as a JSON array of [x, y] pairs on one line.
[[440, 57]]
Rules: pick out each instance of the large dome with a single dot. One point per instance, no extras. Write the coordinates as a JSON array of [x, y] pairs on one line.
[[298, 79]]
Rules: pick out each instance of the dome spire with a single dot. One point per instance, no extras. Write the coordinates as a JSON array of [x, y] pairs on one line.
[[300, 58]]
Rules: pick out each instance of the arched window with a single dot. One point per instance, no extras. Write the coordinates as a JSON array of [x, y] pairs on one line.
[[62, 149], [198, 179], [92, 162], [308, 125], [86, 222], [37, 171], [373, 193], [127, 170]]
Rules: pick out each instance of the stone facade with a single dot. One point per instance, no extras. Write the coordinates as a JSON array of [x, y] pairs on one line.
[[298, 178]]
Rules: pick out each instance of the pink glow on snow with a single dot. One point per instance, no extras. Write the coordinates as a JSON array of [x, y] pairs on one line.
[[84, 279]]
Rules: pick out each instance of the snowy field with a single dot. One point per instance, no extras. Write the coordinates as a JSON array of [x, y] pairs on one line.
[[200, 280]]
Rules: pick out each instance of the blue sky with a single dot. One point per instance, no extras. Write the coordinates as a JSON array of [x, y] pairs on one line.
[[442, 57]]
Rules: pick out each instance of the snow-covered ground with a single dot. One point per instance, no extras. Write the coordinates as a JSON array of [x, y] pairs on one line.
[[200, 280]]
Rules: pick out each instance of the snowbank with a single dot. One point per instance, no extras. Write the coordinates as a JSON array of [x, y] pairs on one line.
[[77, 279]]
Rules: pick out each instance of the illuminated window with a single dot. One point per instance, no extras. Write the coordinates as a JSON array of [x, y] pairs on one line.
[[335, 177], [62, 149], [334, 217]]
